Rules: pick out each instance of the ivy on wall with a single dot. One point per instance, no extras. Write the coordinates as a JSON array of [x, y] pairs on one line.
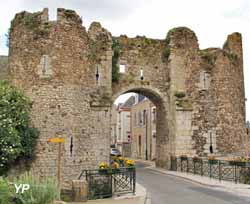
[[115, 67]]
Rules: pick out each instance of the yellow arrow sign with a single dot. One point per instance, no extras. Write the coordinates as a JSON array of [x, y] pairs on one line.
[[56, 139]]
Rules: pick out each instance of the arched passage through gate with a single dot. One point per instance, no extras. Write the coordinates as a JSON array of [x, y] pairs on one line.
[[142, 143]]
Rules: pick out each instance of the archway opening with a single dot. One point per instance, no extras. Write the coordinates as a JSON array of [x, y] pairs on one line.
[[139, 126]]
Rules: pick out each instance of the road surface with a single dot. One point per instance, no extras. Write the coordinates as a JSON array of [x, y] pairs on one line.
[[167, 189]]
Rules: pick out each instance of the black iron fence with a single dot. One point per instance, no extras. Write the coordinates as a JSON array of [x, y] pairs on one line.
[[236, 171], [104, 183]]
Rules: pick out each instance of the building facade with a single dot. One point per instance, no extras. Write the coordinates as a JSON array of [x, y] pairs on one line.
[[143, 129], [248, 127], [123, 130], [113, 125]]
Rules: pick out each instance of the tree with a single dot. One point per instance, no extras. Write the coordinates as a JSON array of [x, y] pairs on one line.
[[7, 36], [17, 136]]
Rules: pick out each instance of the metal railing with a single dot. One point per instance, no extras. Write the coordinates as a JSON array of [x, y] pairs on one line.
[[104, 183], [238, 172]]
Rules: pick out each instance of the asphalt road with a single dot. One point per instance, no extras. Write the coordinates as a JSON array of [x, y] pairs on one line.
[[166, 189]]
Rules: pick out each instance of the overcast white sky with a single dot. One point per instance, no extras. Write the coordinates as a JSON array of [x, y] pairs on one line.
[[212, 20]]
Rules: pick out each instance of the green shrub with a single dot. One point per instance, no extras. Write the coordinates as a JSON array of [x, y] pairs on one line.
[[115, 67], [5, 193], [17, 137], [42, 191], [166, 52], [179, 94]]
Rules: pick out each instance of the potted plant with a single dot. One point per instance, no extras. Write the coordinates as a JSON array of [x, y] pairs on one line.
[[240, 161], [103, 168], [121, 161], [115, 167], [130, 164]]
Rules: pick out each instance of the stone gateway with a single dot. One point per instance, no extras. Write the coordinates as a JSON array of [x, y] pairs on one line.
[[70, 74]]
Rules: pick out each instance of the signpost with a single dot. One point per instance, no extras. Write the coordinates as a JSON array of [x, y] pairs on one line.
[[58, 140]]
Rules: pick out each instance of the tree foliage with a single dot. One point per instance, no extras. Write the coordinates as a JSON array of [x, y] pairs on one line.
[[7, 37], [17, 137]]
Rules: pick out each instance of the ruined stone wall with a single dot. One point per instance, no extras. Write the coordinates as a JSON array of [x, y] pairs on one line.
[[4, 71], [67, 73], [215, 88], [147, 73], [55, 63]]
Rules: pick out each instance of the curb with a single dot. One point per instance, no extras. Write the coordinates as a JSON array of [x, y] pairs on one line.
[[221, 187], [147, 199], [181, 177], [141, 191]]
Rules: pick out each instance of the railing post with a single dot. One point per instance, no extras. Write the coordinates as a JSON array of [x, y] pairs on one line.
[[134, 183], [235, 173], [112, 184], [219, 170], [201, 167], [187, 166], [210, 169], [181, 166], [194, 166]]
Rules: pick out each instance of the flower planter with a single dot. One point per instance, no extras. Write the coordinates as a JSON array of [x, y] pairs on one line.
[[197, 160], [103, 171], [237, 163], [213, 161], [184, 158], [131, 168], [115, 170]]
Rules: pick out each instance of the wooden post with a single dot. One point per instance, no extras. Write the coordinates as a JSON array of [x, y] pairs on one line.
[[59, 140], [59, 166]]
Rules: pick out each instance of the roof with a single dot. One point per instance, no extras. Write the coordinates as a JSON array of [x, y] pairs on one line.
[[128, 103]]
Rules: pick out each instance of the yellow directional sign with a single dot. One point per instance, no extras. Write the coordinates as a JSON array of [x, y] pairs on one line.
[[56, 140]]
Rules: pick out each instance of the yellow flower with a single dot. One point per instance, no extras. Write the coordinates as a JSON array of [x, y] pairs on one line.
[[103, 165], [115, 165], [130, 163]]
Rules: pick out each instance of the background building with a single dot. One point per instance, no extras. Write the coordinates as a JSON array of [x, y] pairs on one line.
[[123, 128], [248, 127], [143, 129], [113, 125]]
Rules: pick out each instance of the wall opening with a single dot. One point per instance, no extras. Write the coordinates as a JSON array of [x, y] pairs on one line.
[[138, 125], [122, 68]]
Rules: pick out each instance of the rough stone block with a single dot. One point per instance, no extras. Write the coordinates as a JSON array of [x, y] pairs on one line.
[[80, 190]]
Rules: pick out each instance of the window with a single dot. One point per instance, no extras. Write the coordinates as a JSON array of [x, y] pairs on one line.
[[153, 134], [135, 120], [45, 70], [144, 117], [122, 68], [139, 119], [204, 80], [154, 115]]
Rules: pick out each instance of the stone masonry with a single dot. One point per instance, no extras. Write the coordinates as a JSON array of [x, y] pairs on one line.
[[66, 70]]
